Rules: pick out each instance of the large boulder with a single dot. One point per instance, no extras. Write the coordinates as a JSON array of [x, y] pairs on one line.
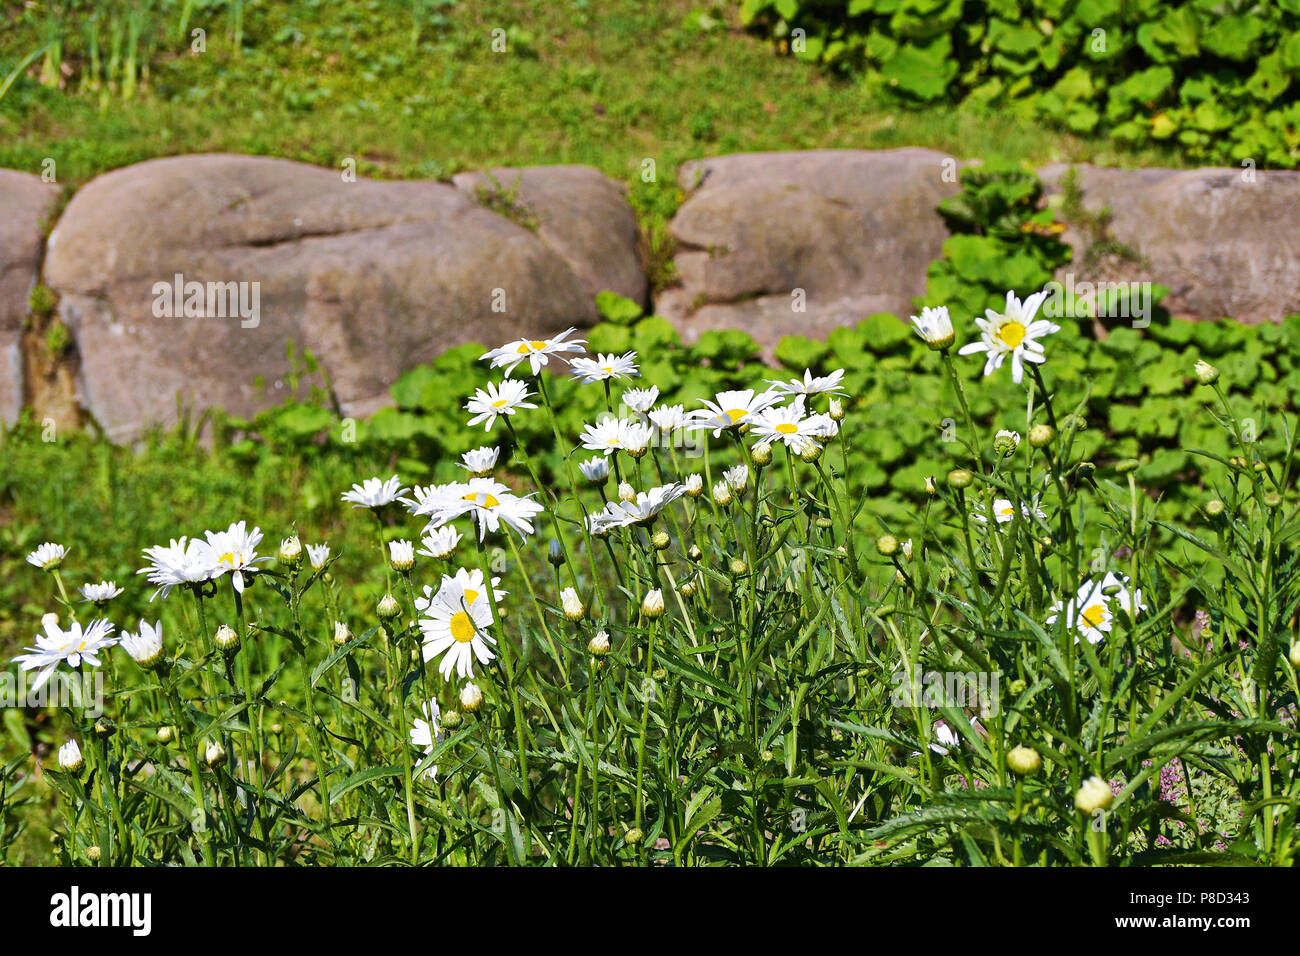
[[1223, 241], [25, 201], [781, 243], [580, 213], [372, 277]]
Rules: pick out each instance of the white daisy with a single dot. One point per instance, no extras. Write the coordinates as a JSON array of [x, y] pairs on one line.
[[670, 418], [455, 622], [440, 542], [489, 502], [934, 327], [234, 550], [183, 561], [603, 368], [1012, 332], [614, 434], [427, 733], [594, 469], [788, 424], [811, 384], [737, 478], [317, 555], [497, 400], [48, 556], [537, 352], [480, 462], [642, 509], [145, 647], [70, 758], [72, 646], [733, 409], [1004, 510], [101, 593], [641, 399], [401, 555], [375, 492]]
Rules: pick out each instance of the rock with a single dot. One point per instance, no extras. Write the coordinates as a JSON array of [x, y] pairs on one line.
[[371, 277], [578, 212], [25, 202], [855, 230], [1222, 245]]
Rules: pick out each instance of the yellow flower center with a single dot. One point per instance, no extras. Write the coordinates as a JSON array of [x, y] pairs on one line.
[[1011, 334], [500, 403], [462, 628], [1008, 510], [736, 414], [489, 501], [534, 346], [227, 558], [785, 428], [470, 595], [1094, 615], [607, 369]]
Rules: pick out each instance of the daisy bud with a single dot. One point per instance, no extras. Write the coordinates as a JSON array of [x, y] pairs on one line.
[[451, 719], [387, 608], [739, 567], [887, 544], [930, 488], [164, 734], [341, 634], [934, 327], [661, 540], [688, 589], [93, 853], [277, 728], [694, 485], [146, 647], [599, 645], [291, 551], [907, 549], [1206, 373], [70, 758], [215, 755], [960, 478], [694, 552], [810, 452], [595, 470], [653, 604], [227, 640], [401, 555], [1040, 436], [1017, 687], [318, 555], [633, 837], [554, 553], [1094, 795], [1295, 654], [1006, 442], [1272, 499], [571, 605], [1214, 507], [761, 454], [1127, 465], [626, 492], [722, 494], [471, 698], [1023, 761], [836, 410]]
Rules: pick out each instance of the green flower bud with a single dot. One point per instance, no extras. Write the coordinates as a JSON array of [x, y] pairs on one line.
[[1206, 373], [887, 544], [1040, 436], [1023, 761], [960, 478], [1094, 795]]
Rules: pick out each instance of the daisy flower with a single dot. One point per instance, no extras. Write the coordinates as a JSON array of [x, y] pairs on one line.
[[732, 409], [72, 646], [234, 550], [48, 556], [670, 418], [594, 469], [641, 399], [146, 647], [788, 424], [537, 352], [1012, 332], [737, 478], [375, 492], [934, 327], [480, 462], [427, 733], [70, 758], [642, 509], [440, 542], [497, 400], [811, 384], [317, 555], [401, 555], [489, 502], [1004, 510], [455, 623], [101, 593], [183, 561], [1088, 612], [603, 368], [614, 434]]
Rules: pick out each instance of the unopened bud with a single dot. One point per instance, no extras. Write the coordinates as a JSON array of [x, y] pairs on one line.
[[599, 645], [471, 698], [215, 754], [572, 606], [341, 634], [1006, 442], [761, 454], [1094, 795], [739, 567], [227, 640], [653, 604], [810, 452], [1023, 761], [660, 541], [626, 492], [960, 478], [886, 544], [836, 410], [387, 608], [554, 553], [1206, 373], [1041, 435], [291, 551]]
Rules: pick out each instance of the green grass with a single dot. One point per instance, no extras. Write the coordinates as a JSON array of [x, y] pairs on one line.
[[608, 84]]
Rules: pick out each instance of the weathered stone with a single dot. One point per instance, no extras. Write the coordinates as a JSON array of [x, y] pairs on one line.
[[838, 233], [578, 212], [24, 203], [1223, 244], [371, 277]]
